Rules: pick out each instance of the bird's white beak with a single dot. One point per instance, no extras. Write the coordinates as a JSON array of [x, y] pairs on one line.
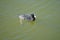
[[35, 16]]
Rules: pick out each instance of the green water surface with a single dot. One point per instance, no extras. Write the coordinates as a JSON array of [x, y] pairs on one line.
[[46, 26]]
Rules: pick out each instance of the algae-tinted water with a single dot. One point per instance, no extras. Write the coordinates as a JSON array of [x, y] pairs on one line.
[[46, 26]]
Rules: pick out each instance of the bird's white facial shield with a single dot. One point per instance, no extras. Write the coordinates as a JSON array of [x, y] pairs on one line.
[[35, 16]]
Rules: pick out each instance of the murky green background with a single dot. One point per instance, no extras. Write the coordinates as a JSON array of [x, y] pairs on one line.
[[46, 26]]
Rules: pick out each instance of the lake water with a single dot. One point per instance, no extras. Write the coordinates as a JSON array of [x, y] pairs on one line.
[[46, 26]]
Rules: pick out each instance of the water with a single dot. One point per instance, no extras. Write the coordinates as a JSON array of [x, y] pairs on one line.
[[46, 26]]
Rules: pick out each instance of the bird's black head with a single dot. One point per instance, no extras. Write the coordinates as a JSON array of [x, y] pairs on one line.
[[33, 17]]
